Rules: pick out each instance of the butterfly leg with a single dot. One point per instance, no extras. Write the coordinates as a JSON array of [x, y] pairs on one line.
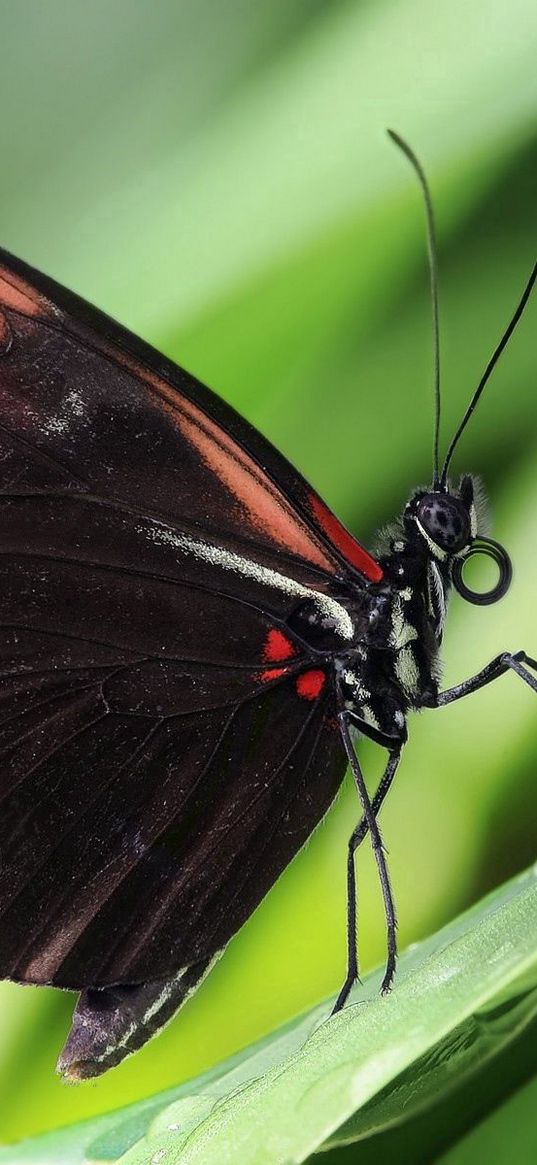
[[110, 1023], [355, 841], [370, 826], [518, 661]]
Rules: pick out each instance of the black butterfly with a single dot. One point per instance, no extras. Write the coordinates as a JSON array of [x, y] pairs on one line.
[[188, 638]]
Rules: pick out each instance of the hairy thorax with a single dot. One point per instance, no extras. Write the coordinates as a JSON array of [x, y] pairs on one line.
[[395, 666]]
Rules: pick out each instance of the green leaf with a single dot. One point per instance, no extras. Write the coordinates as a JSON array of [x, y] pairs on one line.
[[469, 1046], [460, 997], [293, 1109], [423, 1134]]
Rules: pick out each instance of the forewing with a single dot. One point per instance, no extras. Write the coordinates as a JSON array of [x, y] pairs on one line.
[[86, 407]]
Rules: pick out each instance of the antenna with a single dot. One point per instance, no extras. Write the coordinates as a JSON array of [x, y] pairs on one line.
[[433, 269], [488, 371]]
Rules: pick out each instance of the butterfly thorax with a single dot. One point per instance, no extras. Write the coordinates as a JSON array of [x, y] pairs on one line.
[[396, 665], [395, 668]]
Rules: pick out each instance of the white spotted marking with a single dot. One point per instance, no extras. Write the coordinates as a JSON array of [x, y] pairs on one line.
[[359, 692], [59, 425], [72, 405], [406, 670], [368, 716], [402, 631]]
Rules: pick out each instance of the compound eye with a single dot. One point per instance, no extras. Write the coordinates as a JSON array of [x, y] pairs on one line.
[[445, 520]]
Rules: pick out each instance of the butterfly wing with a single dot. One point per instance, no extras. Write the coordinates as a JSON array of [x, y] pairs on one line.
[[137, 846], [167, 745], [114, 418]]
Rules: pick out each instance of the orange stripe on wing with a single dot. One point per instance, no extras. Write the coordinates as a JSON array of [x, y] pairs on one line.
[[17, 294], [264, 506]]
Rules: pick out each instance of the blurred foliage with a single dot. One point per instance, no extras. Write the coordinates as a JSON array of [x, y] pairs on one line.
[[510, 1134], [215, 175]]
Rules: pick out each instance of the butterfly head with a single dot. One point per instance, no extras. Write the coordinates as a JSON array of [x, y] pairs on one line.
[[449, 522]]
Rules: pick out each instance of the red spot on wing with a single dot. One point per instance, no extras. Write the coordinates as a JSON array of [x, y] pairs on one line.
[[277, 646], [273, 673], [344, 542], [310, 684]]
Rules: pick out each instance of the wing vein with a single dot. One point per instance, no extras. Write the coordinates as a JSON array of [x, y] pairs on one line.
[[182, 884]]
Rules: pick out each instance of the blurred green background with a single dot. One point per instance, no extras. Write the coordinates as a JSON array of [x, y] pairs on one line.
[[215, 174]]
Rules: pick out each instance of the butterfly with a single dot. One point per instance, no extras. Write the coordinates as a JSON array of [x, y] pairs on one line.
[[190, 645]]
